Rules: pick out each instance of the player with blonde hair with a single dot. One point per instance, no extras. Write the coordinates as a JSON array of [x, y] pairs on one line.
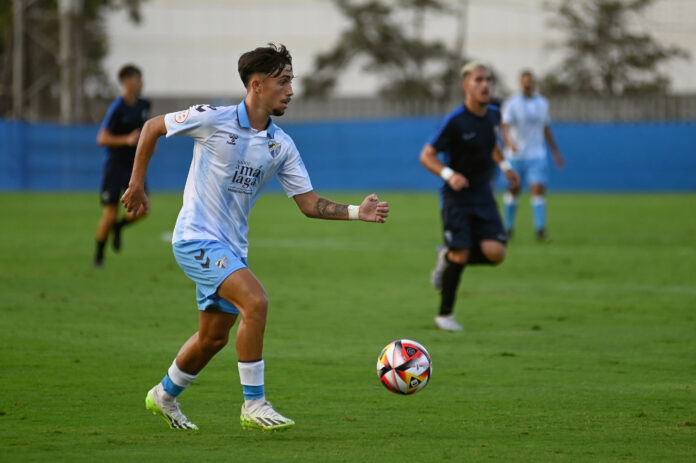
[[472, 229]]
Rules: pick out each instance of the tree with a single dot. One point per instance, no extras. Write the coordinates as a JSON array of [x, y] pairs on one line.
[[41, 50], [606, 53], [412, 67]]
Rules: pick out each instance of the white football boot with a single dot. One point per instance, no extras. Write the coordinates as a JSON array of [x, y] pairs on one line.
[[447, 323], [162, 404], [261, 415]]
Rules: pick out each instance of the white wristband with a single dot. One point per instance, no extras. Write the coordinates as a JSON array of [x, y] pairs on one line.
[[505, 165], [446, 173], [353, 212]]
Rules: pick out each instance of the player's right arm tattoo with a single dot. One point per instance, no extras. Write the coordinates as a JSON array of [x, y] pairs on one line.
[[330, 209]]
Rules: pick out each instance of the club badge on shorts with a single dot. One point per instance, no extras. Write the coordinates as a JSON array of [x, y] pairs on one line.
[[273, 148], [222, 263]]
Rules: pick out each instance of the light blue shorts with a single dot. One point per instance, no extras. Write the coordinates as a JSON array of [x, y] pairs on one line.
[[208, 263], [531, 171]]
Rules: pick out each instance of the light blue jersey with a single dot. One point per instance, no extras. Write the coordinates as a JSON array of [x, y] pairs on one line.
[[526, 118], [231, 164]]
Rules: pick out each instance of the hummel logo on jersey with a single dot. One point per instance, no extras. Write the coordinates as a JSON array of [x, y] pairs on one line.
[[233, 139], [468, 136], [201, 108], [205, 264]]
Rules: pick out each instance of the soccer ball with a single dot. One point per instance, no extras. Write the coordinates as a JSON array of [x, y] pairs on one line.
[[404, 366]]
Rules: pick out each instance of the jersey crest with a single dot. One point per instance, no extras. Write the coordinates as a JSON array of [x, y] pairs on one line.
[[273, 148]]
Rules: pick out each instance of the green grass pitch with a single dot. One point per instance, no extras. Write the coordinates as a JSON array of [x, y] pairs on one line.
[[579, 350]]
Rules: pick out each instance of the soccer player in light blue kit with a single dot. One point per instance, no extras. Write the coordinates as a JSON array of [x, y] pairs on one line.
[[526, 128], [237, 151]]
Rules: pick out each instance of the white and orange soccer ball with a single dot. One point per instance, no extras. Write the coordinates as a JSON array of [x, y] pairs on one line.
[[404, 366]]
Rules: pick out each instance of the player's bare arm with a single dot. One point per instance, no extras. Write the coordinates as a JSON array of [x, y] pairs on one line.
[[505, 133], [428, 158], [108, 139], [510, 174], [548, 135], [134, 199], [314, 206]]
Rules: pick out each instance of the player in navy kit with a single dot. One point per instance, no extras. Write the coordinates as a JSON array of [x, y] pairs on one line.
[[473, 230], [119, 134]]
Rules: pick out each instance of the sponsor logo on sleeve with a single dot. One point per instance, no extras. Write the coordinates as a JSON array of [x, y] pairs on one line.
[[181, 116]]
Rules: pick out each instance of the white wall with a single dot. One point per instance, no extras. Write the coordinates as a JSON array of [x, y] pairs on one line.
[[191, 47]]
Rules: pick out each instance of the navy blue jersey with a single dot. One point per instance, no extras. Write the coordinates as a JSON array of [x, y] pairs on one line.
[[467, 141], [122, 119]]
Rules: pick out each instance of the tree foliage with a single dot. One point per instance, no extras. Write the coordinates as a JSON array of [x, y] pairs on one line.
[[411, 66], [606, 53], [41, 47]]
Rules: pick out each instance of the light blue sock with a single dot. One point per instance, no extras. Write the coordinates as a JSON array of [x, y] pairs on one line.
[[175, 381], [251, 377], [253, 392], [539, 211], [510, 202], [171, 388]]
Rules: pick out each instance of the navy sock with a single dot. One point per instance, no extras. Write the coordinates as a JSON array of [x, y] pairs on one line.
[[99, 254], [450, 282]]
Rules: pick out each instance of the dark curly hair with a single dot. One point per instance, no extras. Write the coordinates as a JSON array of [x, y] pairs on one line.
[[270, 60]]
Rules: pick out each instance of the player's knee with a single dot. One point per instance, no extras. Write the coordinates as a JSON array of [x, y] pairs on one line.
[[458, 256], [494, 252], [256, 306], [496, 255], [538, 190], [213, 343]]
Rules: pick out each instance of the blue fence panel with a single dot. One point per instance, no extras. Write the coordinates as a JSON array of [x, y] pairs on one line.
[[626, 157], [365, 155]]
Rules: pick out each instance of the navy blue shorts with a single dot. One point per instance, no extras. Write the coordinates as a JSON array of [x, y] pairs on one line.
[[115, 182], [465, 225]]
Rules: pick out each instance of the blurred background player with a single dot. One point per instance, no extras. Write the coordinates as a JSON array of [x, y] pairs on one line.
[[473, 230], [237, 151], [119, 134], [526, 128]]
